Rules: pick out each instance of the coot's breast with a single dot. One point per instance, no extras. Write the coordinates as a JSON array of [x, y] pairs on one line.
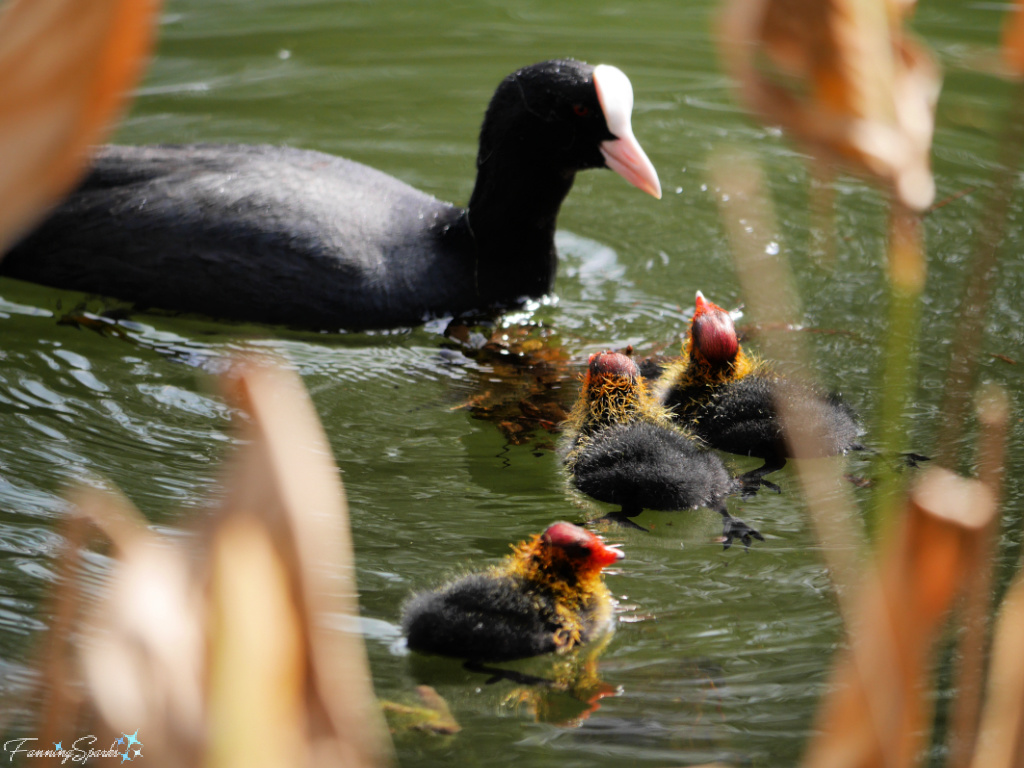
[[267, 234]]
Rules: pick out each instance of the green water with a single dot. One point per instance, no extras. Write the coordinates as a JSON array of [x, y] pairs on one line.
[[719, 655]]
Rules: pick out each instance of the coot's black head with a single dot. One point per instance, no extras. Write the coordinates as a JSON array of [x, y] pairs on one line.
[[568, 116], [712, 333]]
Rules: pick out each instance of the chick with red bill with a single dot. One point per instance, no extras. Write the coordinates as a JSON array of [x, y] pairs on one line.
[[620, 446], [548, 596], [730, 399]]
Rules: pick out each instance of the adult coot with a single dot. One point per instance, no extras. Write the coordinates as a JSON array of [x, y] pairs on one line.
[[548, 595], [730, 399], [300, 238], [621, 447]]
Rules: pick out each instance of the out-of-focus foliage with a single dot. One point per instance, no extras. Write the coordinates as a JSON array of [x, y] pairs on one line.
[[208, 638], [844, 78], [67, 69]]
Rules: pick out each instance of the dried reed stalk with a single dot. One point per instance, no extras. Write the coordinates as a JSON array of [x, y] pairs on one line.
[[1001, 737], [60, 703], [214, 646], [771, 299], [993, 413], [68, 67], [981, 275], [288, 481], [935, 547], [842, 77]]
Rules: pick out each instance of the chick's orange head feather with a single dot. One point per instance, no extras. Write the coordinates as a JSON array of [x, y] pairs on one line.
[[577, 543], [712, 332]]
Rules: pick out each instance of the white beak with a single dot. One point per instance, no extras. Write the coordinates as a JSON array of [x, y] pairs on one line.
[[623, 154]]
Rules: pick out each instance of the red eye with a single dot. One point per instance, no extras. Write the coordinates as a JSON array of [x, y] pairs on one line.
[[581, 110]]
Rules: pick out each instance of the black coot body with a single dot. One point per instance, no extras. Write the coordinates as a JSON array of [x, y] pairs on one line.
[[300, 238], [548, 596]]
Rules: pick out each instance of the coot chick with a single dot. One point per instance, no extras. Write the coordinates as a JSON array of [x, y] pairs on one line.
[[621, 447], [547, 596], [729, 399], [300, 238]]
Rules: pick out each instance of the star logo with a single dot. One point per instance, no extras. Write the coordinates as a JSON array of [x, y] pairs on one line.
[[132, 746]]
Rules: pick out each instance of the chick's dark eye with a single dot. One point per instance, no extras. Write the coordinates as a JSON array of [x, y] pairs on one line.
[[577, 551], [581, 110]]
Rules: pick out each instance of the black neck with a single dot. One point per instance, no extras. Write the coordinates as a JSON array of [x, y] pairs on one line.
[[511, 218]]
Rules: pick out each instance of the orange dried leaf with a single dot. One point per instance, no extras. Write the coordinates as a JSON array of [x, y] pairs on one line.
[[1001, 739], [1013, 40], [845, 79], [67, 67], [878, 711], [257, 663], [287, 480]]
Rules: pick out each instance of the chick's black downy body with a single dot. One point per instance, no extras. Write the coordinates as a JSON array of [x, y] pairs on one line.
[[641, 465], [741, 416], [548, 596], [486, 618], [619, 446], [732, 401]]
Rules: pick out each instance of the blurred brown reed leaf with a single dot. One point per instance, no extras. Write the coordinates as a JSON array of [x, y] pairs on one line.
[[972, 645], [142, 650], [844, 78], [215, 646], [983, 269], [772, 301], [878, 712], [1001, 737], [1013, 40], [68, 67]]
